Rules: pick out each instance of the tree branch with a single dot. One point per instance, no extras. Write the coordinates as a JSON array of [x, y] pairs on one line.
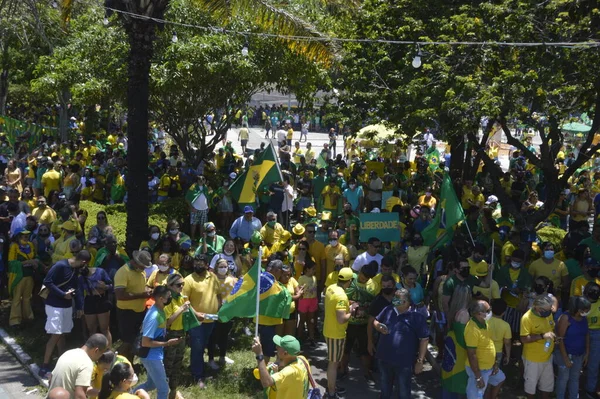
[[510, 139]]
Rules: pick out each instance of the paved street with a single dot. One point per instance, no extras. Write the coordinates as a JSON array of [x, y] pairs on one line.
[[15, 381]]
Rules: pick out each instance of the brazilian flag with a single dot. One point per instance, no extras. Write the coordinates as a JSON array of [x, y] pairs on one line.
[[275, 299], [447, 215], [264, 171], [433, 158]]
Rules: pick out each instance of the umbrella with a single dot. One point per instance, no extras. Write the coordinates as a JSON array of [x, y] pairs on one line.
[[379, 131], [576, 127]]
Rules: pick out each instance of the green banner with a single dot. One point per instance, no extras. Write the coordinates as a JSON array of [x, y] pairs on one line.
[[25, 132], [385, 226]]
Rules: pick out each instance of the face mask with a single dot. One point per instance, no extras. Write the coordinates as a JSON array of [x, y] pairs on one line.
[[155, 236], [515, 265], [539, 289], [333, 243], [200, 269], [222, 270], [271, 223], [397, 301], [464, 272], [549, 254], [168, 301], [163, 268], [84, 271], [545, 313], [228, 253], [593, 272], [593, 296], [211, 234], [488, 316], [388, 291], [428, 194], [173, 231], [584, 314], [416, 242], [352, 186], [134, 379], [348, 211], [477, 258]]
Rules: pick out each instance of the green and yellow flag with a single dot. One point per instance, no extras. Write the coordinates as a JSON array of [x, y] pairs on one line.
[[433, 158], [263, 172], [448, 214], [275, 299]]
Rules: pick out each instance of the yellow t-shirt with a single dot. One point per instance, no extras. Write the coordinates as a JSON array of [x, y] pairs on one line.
[[391, 202], [500, 331], [226, 286], [507, 250], [97, 378], [171, 308], [133, 281], [291, 287], [423, 201], [331, 279], [51, 181], [492, 292], [327, 202], [578, 284], [44, 216], [534, 325], [290, 134], [332, 252], [122, 395], [479, 337], [335, 299], [554, 271], [202, 293], [310, 286], [61, 248], [157, 278], [594, 317], [377, 280], [271, 234], [292, 380]]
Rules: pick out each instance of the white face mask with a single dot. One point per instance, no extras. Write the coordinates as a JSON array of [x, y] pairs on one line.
[[488, 315], [333, 243], [134, 379], [228, 253], [584, 314], [163, 268], [155, 236], [173, 231], [222, 270], [211, 234], [352, 186]]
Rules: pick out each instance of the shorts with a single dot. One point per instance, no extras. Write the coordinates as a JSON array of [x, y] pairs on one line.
[[308, 305], [335, 349], [266, 334], [357, 333], [244, 142], [198, 217], [129, 323], [94, 304], [538, 375], [59, 320]]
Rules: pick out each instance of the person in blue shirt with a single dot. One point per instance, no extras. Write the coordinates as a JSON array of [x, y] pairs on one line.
[[243, 227], [154, 332], [354, 195], [402, 344]]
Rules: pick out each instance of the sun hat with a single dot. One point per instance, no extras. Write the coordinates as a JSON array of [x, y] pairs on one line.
[[481, 269], [311, 211], [298, 229], [143, 258]]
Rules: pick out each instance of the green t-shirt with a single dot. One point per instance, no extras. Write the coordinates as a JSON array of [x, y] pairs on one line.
[[454, 282]]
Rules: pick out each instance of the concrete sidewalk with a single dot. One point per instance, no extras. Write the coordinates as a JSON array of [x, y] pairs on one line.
[[15, 381]]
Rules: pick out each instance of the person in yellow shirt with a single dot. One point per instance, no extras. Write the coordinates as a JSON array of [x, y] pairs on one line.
[[387, 269], [272, 230], [337, 314], [120, 381], [60, 247], [101, 367], [550, 267], [334, 249], [51, 180], [480, 364], [131, 293], [331, 195], [590, 270], [485, 288], [202, 289], [427, 199], [537, 336], [394, 200], [43, 213], [169, 185], [297, 153]]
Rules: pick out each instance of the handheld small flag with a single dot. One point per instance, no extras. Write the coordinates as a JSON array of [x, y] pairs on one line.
[[433, 158]]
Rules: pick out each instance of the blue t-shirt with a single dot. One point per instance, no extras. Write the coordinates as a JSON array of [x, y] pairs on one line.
[[155, 328], [400, 347], [353, 196]]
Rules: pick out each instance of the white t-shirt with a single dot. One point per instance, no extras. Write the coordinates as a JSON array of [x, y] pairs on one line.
[[365, 259], [230, 262], [288, 199], [201, 203], [281, 135], [74, 368]]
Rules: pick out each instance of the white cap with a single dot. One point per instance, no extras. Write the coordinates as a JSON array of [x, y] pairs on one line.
[[490, 199], [375, 210], [232, 175]]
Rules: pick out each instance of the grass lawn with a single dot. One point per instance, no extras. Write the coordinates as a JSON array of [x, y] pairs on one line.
[[231, 382]]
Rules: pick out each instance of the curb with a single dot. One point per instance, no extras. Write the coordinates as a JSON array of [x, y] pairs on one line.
[[22, 357]]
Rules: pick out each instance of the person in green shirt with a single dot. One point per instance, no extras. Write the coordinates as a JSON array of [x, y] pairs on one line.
[[593, 242], [319, 184], [461, 277], [211, 243]]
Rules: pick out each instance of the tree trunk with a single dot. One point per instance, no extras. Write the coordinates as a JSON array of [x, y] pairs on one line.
[[64, 97], [141, 39], [4, 78], [457, 155]]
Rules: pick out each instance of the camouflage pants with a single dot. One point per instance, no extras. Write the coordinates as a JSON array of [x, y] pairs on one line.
[[173, 358]]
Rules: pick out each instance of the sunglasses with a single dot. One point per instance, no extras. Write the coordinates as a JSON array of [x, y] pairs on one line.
[[179, 285]]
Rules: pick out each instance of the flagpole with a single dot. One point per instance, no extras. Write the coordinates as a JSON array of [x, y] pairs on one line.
[[258, 291], [469, 230]]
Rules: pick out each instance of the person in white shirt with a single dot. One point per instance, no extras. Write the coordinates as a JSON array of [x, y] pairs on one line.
[[199, 208], [287, 206], [372, 254], [281, 137]]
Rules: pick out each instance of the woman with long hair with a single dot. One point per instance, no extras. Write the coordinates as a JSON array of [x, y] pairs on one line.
[[118, 383], [14, 176], [99, 229], [231, 255], [22, 265], [97, 288]]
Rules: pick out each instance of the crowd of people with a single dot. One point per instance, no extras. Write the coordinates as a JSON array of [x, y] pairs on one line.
[[494, 298]]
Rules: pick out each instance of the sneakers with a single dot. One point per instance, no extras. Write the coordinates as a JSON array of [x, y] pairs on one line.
[[340, 389], [44, 372], [370, 381], [334, 396], [213, 365]]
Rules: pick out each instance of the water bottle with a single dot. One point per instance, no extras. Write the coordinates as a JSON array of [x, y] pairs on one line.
[[213, 317], [547, 345]]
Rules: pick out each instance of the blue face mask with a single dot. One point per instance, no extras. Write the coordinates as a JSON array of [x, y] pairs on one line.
[[549, 254], [397, 301]]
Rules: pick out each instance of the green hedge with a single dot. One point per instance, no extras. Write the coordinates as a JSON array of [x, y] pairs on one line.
[[159, 214]]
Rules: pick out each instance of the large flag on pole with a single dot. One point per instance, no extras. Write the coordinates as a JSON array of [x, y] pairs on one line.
[[263, 172], [433, 158], [448, 214], [275, 300]]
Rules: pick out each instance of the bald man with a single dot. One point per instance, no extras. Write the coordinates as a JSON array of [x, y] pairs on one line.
[[59, 393]]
